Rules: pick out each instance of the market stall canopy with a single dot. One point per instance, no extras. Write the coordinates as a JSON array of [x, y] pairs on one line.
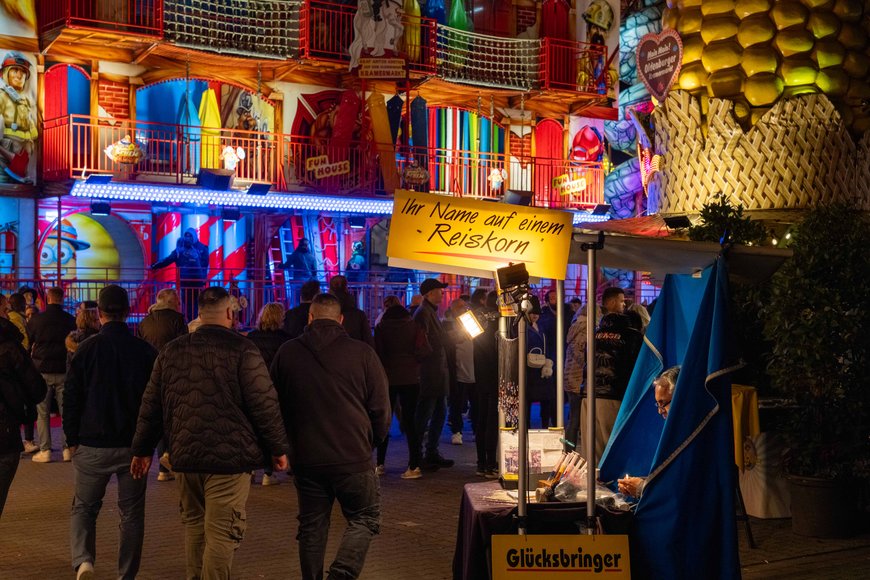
[[640, 244]]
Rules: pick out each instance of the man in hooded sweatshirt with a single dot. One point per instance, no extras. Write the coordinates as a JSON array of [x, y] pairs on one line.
[[191, 257], [334, 399]]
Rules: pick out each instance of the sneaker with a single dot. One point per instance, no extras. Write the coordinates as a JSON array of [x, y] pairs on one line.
[[86, 571], [437, 459], [380, 470], [481, 472], [165, 476], [67, 454], [42, 456], [30, 447], [491, 474], [164, 461], [456, 439], [427, 465], [270, 480], [412, 473]]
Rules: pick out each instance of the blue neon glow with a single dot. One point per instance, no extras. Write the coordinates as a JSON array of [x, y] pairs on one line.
[[289, 201], [586, 217], [200, 196]]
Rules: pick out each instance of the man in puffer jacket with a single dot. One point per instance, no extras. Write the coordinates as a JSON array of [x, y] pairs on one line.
[[22, 388], [333, 392], [210, 395]]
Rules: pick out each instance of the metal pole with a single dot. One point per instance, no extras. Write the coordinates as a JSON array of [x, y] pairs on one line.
[[503, 328], [59, 248], [591, 284], [560, 353], [522, 424]]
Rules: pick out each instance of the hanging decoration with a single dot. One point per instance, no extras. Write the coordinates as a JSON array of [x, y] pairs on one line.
[[127, 151], [659, 59], [377, 28]]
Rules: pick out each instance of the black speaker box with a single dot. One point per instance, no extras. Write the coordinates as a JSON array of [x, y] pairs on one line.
[[218, 179]]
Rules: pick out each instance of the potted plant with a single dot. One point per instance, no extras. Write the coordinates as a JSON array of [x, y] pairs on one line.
[[817, 319]]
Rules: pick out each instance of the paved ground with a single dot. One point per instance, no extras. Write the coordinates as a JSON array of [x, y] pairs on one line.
[[417, 539]]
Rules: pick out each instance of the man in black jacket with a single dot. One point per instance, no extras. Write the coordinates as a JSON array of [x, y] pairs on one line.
[[22, 388], [222, 421], [164, 321], [617, 345], [334, 399], [434, 377], [103, 391], [48, 331], [356, 323], [296, 318]]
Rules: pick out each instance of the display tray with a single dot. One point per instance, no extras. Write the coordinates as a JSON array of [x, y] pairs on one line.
[[532, 479]]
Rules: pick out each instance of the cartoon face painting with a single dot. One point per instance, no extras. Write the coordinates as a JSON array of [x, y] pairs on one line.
[[64, 253]]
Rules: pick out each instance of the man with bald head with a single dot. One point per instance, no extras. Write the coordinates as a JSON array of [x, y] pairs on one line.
[[222, 422], [334, 397]]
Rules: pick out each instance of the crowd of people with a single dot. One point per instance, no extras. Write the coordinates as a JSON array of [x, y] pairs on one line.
[[311, 390]]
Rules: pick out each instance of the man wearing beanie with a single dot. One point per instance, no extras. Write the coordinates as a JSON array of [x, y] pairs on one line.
[[104, 386]]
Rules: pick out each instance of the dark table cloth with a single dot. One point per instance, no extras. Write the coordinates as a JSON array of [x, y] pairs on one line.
[[480, 519]]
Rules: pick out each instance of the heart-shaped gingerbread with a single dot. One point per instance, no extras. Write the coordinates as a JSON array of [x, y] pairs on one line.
[[659, 58]]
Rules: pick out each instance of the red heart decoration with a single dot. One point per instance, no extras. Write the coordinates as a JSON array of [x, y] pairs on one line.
[[659, 58]]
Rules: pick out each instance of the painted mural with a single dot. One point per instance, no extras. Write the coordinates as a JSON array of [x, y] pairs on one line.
[[85, 246], [598, 23], [18, 18], [18, 127]]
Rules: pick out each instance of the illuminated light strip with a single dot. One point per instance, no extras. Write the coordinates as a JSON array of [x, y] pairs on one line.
[[583, 217], [199, 196]]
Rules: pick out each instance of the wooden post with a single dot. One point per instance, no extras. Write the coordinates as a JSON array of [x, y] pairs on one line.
[[94, 112]]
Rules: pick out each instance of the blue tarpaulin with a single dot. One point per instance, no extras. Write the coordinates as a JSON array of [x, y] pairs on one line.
[[684, 525]]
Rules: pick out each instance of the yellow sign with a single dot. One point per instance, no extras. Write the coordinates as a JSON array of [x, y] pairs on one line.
[[581, 556], [381, 68], [462, 236], [569, 184], [323, 168]]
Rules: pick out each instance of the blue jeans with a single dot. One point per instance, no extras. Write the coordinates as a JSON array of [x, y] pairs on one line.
[[55, 382], [94, 467], [8, 467], [359, 496], [431, 411]]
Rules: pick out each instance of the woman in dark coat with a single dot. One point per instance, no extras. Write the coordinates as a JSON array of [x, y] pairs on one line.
[[87, 325], [541, 388], [486, 388], [268, 337], [400, 344]]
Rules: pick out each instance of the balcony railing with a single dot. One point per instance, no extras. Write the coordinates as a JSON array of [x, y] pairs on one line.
[[263, 29], [466, 57], [573, 66], [77, 145], [326, 32], [133, 17]]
